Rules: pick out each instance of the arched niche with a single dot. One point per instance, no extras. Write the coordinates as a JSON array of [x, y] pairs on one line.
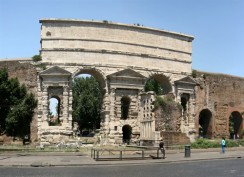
[[127, 131], [125, 105], [95, 73], [235, 125], [205, 124], [184, 99], [163, 83]]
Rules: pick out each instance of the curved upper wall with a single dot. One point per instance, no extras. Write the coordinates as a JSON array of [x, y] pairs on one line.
[[106, 43]]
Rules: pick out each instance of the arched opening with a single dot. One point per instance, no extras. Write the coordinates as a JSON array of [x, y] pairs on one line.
[[125, 105], [127, 131], [205, 127], [158, 83], [235, 125], [87, 101], [183, 103], [54, 111]]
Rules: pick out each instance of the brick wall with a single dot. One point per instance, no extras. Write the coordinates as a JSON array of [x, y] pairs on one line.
[[26, 74]]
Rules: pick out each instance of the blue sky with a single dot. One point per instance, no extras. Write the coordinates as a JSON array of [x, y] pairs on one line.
[[217, 25]]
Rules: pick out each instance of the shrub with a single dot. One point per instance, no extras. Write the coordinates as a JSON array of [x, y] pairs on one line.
[[36, 58], [232, 143], [204, 143], [194, 73]]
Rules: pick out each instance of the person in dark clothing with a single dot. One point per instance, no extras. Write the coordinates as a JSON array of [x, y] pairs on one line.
[[161, 147]]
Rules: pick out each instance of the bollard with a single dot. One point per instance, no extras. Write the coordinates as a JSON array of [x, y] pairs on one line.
[[157, 153], [187, 151], [97, 155], [120, 156]]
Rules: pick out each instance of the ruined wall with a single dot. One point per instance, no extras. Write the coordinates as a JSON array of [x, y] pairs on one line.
[[168, 117], [26, 74], [221, 95]]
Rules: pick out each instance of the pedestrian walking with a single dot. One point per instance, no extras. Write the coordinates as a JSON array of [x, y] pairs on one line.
[[223, 144], [161, 147]]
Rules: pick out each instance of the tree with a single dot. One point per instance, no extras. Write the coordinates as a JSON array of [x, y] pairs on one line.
[[16, 106], [36, 58], [87, 100], [153, 85]]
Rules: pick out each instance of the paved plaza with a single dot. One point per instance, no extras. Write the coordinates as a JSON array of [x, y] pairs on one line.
[[42, 159]]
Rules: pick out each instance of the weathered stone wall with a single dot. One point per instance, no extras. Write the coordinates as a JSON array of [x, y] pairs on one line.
[[26, 74], [172, 138], [168, 117], [114, 45], [121, 57], [221, 95]]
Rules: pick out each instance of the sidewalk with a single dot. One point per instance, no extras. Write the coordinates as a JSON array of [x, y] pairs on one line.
[[42, 159]]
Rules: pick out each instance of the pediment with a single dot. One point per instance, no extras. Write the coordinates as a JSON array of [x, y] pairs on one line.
[[55, 71], [127, 73], [186, 80]]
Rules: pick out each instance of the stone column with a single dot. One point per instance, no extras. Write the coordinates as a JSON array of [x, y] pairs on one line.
[[65, 104], [45, 106], [40, 111], [112, 105], [70, 101]]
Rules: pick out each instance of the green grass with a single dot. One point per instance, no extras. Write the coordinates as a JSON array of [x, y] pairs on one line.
[[205, 143]]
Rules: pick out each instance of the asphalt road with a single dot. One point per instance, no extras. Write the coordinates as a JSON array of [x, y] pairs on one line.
[[214, 168]]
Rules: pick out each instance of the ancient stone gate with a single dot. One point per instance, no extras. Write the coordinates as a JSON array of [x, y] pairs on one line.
[[121, 58]]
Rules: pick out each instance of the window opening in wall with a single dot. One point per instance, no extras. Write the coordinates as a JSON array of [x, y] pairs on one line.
[[183, 103], [54, 111], [115, 128], [125, 105]]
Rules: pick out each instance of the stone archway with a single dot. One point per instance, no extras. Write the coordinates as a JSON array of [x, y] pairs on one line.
[[95, 85], [97, 74], [121, 63], [127, 131], [205, 124], [235, 125], [163, 83]]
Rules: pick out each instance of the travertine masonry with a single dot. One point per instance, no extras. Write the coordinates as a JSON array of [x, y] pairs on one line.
[[122, 58]]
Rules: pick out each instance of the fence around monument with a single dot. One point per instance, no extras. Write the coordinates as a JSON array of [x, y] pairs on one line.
[[124, 154]]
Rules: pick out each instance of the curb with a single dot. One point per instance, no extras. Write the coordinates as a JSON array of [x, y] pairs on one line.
[[118, 163]]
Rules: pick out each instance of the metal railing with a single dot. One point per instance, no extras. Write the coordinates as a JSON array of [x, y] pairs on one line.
[[124, 154]]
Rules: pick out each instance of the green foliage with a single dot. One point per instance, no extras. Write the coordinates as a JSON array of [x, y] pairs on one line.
[[167, 103], [16, 106], [194, 73], [160, 102], [233, 143], [36, 58], [204, 143], [153, 85], [42, 66], [170, 110], [87, 100]]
